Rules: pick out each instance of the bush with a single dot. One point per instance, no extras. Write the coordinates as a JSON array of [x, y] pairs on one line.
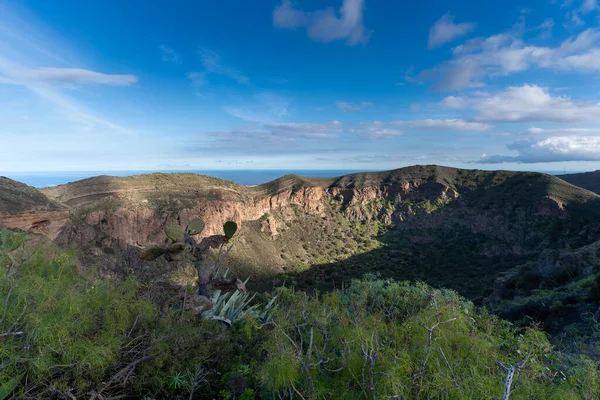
[[383, 339], [68, 333]]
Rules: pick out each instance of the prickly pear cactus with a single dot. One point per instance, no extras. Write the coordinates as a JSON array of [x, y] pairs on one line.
[[230, 228], [195, 227], [209, 276], [175, 232]]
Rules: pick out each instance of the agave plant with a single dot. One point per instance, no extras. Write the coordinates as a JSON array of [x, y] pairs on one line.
[[182, 241], [227, 307]]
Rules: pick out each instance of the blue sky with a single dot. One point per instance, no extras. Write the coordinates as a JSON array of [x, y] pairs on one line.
[[340, 84]]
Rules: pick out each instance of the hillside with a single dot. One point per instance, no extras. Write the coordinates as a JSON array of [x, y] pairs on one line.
[[468, 230], [88, 337], [587, 180], [17, 197], [403, 223], [24, 207]]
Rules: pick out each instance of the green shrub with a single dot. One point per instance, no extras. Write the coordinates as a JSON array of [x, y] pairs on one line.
[[68, 333]]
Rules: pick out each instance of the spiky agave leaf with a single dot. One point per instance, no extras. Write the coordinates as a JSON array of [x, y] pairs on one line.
[[152, 253], [230, 228], [174, 232], [227, 307], [195, 227]]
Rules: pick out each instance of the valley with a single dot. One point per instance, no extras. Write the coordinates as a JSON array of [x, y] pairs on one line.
[[451, 228], [524, 245]]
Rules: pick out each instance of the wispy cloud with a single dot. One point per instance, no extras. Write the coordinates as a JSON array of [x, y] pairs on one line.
[[197, 78], [505, 54], [264, 107], [376, 130], [271, 138], [305, 130], [574, 16], [447, 125], [346, 106], [34, 59], [169, 55], [325, 25], [444, 30], [379, 129], [62, 76], [213, 63], [76, 112]]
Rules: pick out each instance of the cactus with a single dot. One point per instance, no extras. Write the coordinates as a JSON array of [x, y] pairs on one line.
[[209, 278], [195, 227], [152, 253], [174, 232], [230, 228]]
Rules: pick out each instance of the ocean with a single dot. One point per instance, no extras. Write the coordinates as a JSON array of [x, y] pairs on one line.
[[241, 177]]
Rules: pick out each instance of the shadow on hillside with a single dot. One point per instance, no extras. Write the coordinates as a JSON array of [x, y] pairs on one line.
[[452, 257]]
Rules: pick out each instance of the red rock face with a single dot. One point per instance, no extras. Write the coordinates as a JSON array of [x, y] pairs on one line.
[[550, 207], [48, 223], [139, 225]]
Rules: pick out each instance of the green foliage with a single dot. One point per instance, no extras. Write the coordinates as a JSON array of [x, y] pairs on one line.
[[152, 253], [174, 232], [230, 228], [6, 388], [372, 340], [72, 334], [227, 307], [195, 226]]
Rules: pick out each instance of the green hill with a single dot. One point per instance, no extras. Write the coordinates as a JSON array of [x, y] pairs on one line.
[[587, 180]]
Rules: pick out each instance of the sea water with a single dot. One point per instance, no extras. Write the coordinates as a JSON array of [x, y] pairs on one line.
[[241, 177]]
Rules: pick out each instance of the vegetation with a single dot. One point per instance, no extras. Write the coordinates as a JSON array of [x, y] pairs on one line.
[[16, 196], [586, 180], [67, 333]]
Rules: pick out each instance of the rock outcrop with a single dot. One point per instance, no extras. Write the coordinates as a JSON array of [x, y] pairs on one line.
[[26, 208]]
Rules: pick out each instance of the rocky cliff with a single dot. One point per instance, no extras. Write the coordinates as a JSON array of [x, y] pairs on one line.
[[294, 222], [24, 207]]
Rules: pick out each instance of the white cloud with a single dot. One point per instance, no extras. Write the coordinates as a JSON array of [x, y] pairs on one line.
[[505, 54], [376, 129], [197, 78], [169, 55], [454, 102], [444, 30], [380, 129], [305, 130], [552, 149], [574, 16], [526, 103], [264, 107], [76, 112], [589, 6], [565, 131], [324, 25], [287, 17], [213, 63], [46, 84], [63, 76], [447, 125], [271, 138], [346, 106]]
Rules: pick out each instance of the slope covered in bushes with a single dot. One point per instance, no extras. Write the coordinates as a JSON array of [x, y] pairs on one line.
[[66, 333]]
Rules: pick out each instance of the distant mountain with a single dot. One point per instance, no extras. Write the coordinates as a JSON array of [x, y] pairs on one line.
[[587, 180], [447, 226], [525, 244]]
